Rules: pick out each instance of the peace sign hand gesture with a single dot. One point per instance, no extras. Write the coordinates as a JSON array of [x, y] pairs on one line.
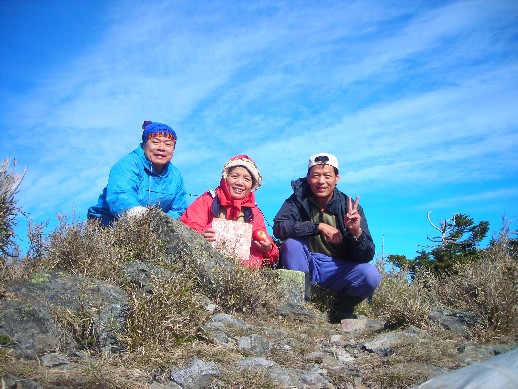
[[352, 218]]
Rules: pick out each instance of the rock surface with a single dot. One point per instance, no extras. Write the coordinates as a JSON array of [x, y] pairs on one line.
[[29, 318], [498, 372]]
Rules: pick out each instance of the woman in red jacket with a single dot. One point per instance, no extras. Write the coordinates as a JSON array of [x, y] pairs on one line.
[[234, 200]]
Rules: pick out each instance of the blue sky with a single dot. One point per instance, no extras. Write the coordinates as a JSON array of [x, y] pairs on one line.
[[417, 99]]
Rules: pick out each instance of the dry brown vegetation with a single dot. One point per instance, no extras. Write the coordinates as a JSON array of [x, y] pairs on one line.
[[166, 326], [486, 288]]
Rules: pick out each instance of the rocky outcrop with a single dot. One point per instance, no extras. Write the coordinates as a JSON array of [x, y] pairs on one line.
[[498, 372], [39, 310], [40, 316], [29, 321]]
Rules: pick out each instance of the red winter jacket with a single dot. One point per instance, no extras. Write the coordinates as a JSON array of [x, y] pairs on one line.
[[199, 216]]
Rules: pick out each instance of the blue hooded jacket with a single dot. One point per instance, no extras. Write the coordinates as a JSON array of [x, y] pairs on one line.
[[134, 182]]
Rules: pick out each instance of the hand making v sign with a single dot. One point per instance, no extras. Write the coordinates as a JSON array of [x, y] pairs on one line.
[[352, 218]]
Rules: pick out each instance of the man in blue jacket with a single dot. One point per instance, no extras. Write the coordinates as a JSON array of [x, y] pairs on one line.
[[143, 178], [326, 235]]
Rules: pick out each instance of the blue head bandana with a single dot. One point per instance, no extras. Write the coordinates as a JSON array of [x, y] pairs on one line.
[[153, 129]]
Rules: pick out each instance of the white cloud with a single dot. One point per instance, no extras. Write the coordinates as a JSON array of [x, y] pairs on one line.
[[406, 95], [484, 197]]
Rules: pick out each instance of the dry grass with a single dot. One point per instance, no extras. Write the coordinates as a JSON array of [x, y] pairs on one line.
[[173, 312], [245, 379], [406, 366], [169, 315], [95, 373], [87, 249], [487, 289], [400, 301], [165, 323], [243, 289], [12, 272]]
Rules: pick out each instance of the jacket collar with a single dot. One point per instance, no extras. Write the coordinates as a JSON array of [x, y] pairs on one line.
[[215, 206]]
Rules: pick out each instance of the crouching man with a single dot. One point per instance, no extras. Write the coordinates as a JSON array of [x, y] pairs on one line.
[[326, 235]]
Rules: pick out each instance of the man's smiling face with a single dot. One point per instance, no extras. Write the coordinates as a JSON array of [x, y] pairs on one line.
[[322, 179]]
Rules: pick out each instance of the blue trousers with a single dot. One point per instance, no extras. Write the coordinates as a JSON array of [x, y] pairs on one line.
[[338, 274]]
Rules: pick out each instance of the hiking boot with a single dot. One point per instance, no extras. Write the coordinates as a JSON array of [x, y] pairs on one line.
[[344, 308]]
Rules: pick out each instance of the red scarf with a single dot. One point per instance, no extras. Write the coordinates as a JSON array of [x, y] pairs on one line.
[[233, 205]]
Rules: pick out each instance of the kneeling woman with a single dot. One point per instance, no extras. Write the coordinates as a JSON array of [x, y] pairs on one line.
[[234, 200]]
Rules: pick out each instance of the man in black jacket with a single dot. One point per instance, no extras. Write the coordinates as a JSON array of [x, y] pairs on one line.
[[326, 235]]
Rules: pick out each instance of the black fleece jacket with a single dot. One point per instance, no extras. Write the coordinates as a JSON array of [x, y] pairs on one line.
[[294, 221]]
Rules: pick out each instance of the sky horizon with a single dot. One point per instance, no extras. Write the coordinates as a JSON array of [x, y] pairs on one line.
[[416, 99]]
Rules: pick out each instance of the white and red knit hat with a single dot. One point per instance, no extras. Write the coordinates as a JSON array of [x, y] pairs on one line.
[[248, 163]]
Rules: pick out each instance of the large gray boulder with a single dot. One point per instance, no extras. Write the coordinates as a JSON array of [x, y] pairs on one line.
[[500, 372], [30, 328], [184, 245], [38, 310]]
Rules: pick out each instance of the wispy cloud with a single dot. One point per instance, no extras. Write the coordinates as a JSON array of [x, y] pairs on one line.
[[485, 197]]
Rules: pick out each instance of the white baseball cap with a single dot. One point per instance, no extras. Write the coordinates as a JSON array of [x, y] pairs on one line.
[[323, 159]]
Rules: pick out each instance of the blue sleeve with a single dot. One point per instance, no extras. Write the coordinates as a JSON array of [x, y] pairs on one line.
[[123, 182], [180, 200]]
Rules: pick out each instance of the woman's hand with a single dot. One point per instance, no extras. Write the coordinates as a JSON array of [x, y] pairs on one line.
[[209, 234], [263, 245]]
